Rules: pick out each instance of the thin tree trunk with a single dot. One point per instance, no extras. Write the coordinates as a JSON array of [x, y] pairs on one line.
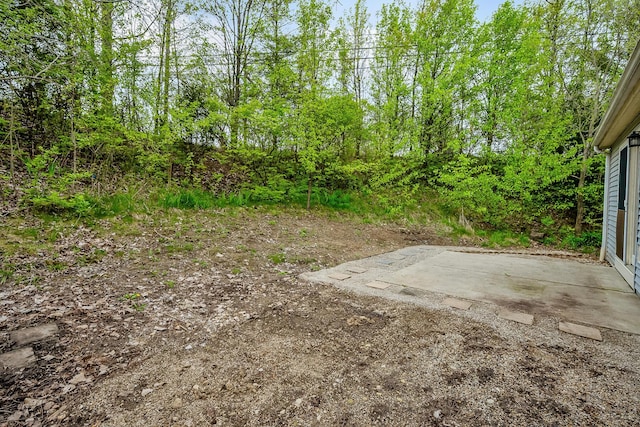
[[106, 57], [167, 63], [580, 198], [12, 161], [309, 186]]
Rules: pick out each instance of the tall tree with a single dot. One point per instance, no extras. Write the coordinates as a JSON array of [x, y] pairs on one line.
[[238, 23]]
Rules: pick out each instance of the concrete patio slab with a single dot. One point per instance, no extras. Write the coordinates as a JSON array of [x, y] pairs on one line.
[[587, 293]]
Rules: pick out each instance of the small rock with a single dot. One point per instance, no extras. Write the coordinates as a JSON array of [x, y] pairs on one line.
[[146, 391], [15, 416], [537, 236], [17, 359], [48, 406], [37, 333], [298, 402], [32, 403], [80, 378], [490, 401], [437, 414], [188, 347], [68, 388], [177, 403]]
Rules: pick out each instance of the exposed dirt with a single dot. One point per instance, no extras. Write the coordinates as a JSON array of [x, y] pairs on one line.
[[192, 318]]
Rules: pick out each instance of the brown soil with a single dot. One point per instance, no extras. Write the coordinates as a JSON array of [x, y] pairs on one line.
[[192, 318]]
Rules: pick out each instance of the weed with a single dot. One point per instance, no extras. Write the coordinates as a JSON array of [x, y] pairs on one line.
[[170, 284], [185, 247], [56, 265], [277, 258], [6, 273], [138, 306], [236, 270], [589, 241], [188, 199], [130, 296]]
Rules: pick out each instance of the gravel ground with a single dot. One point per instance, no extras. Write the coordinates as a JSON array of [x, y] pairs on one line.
[[201, 319]]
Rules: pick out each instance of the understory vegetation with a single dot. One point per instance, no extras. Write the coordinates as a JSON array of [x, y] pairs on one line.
[[417, 113]]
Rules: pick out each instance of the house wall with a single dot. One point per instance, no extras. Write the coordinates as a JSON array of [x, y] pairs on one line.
[[637, 273], [612, 204]]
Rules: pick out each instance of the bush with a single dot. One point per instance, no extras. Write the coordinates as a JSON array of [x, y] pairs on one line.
[[589, 241]]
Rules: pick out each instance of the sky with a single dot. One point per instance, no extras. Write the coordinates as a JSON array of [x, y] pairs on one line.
[[483, 13]]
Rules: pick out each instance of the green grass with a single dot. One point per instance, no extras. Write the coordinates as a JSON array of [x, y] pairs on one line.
[[277, 258], [503, 238]]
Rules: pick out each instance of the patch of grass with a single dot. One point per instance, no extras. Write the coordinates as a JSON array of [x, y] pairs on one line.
[[170, 284], [184, 247], [302, 260], [277, 258], [588, 241], [6, 273], [122, 204], [503, 238], [188, 199], [54, 265]]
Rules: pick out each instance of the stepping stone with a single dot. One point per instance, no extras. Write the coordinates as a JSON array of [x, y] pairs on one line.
[[524, 318], [385, 261], [17, 359], [378, 285], [339, 276], [457, 303], [357, 270], [583, 331], [396, 257], [37, 333]]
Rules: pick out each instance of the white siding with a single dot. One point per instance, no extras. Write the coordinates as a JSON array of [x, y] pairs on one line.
[[637, 260], [612, 214]]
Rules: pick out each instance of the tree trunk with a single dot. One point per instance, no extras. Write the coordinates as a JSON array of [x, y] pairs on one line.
[[167, 63], [106, 57], [12, 161], [309, 186], [580, 190]]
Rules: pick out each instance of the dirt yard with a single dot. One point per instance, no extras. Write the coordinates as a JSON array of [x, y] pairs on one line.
[[187, 318]]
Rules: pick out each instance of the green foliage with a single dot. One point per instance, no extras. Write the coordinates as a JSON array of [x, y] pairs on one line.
[[496, 118], [187, 199], [277, 258], [54, 202], [588, 241]]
